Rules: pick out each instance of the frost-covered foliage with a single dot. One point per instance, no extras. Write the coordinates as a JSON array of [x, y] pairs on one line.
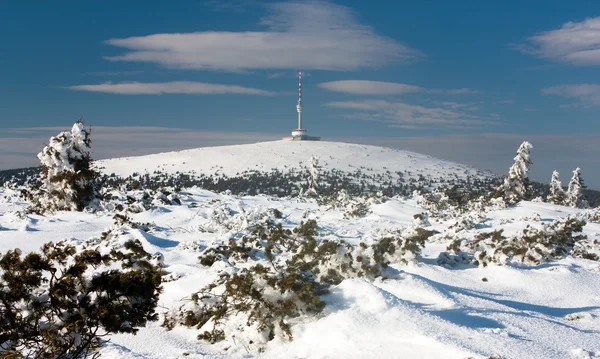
[[445, 203], [137, 201], [557, 194], [437, 203], [68, 178], [283, 273], [530, 247], [514, 187], [574, 196], [60, 302], [313, 179], [356, 206]]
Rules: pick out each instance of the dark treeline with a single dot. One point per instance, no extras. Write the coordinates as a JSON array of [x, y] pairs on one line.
[[291, 182]]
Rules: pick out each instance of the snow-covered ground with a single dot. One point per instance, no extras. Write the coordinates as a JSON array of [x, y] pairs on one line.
[[428, 311], [424, 311]]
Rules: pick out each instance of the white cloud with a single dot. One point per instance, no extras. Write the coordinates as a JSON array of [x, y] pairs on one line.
[[461, 91], [403, 115], [299, 35], [586, 94], [175, 87], [364, 87], [114, 73], [361, 87], [576, 43]]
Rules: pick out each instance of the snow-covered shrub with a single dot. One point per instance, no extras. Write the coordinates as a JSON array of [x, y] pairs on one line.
[[454, 255], [68, 177], [514, 187], [421, 220], [485, 204], [165, 196], [574, 196], [437, 203], [58, 303], [531, 247], [557, 194], [592, 215], [123, 220], [398, 247], [352, 206], [265, 297], [464, 223], [275, 275]]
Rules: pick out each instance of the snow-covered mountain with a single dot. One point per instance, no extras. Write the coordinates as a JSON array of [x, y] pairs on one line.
[[285, 155]]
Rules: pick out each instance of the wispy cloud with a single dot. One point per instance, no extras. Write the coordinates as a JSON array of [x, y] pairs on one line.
[[576, 43], [365, 87], [505, 102], [461, 91], [361, 87], [229, 5], [287, 74], [587, 95], [403, 115], [299, 35], [114, 73], [175, 87]]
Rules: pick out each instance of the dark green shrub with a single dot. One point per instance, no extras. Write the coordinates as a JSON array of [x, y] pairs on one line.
[[60, 302]]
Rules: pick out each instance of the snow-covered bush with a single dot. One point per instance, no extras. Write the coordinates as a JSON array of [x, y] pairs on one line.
[[275, 275], [68, 177], [557, 194], [485, 204], [574, 196], [531, 247], [437, 203], [352, 206], [514, 187], [421, 220], [58, 303]]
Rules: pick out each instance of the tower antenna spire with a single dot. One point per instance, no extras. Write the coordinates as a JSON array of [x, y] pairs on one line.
[[299, 134], [299, 106]]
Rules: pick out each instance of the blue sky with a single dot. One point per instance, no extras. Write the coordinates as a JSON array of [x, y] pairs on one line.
[[418, 75]]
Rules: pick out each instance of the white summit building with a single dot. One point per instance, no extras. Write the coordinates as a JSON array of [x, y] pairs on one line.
[[299, 134]]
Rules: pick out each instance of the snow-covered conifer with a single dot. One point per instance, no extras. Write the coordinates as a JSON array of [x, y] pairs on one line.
[[575, 191], [514, 186], [557, 193], [313, 179], [68, 179]]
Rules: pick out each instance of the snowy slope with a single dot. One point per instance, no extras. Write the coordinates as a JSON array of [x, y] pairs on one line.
[[282, 155], [428, 311]]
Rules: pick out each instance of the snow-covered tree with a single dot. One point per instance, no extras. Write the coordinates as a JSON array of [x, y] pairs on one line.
[[60, 302], [514, 186], [313, 178], [68, 178], [557, 193], [575, 191]]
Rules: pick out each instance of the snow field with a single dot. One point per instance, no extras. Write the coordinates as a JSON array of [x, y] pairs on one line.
[[423, 311]]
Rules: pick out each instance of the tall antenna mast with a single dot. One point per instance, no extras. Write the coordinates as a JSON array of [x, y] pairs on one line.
[[299, 106], [299, 134]]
